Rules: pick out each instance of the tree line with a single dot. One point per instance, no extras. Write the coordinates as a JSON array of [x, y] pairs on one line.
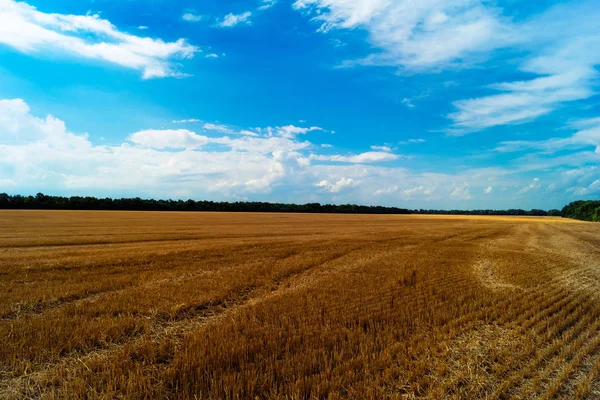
[[586, 210], [45, 202]]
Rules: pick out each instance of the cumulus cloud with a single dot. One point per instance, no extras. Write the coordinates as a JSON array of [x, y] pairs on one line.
[[169, 138], [42, 154], [30, 31], [336, 187], [291, 130], [42, 151]]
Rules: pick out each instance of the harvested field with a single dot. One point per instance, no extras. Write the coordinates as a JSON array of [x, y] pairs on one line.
[[237, 306]]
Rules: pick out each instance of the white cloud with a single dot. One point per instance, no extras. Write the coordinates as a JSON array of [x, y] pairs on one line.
[[266, 4], [186, 121], [30, 31], [557, 43], [212, 55], [386, 191], [215, 127], [412, 141], [218, 128], [408, 102], [142, 27], [534, 185], [593, 188], [363, 158], [587, 137], [35, 152], [418, 190], [488, 190], [191, 17], [461, 192], [336, 187], [427, 35], [169, 138], [246, 132], [386, 149], [20, 128], [291, 130], [231, 20], [415, 35], [41, 154], [523, 102], [584, 123]]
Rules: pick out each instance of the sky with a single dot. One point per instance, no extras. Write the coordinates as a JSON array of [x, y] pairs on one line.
[[445, 104]]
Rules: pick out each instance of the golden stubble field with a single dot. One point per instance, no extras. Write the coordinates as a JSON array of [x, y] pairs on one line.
[[264, 306]]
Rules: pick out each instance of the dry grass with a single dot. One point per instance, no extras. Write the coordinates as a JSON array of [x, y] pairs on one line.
[[236, 306]]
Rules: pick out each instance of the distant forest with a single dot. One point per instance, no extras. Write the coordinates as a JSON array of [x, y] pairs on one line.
[[585, 210]]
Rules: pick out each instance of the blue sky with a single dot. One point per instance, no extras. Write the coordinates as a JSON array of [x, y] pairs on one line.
[[430, 104]]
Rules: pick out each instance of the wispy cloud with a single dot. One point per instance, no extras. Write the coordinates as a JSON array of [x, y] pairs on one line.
[[231, 20], [186, 121], [387, 149], [523, 101], [587, 137], [461, 192], [362, 158], [30, 31], [431, 35], [266, 4], [534, 185], [415, 35], [412, 141], [557, 43], [216, 127]]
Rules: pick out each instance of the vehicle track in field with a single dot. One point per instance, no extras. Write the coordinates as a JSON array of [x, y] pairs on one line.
[[189, 319], [202, 315], [537, 340], [562, 357]]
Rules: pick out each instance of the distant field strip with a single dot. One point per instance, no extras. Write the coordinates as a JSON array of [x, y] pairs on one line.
[[268, 306]]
